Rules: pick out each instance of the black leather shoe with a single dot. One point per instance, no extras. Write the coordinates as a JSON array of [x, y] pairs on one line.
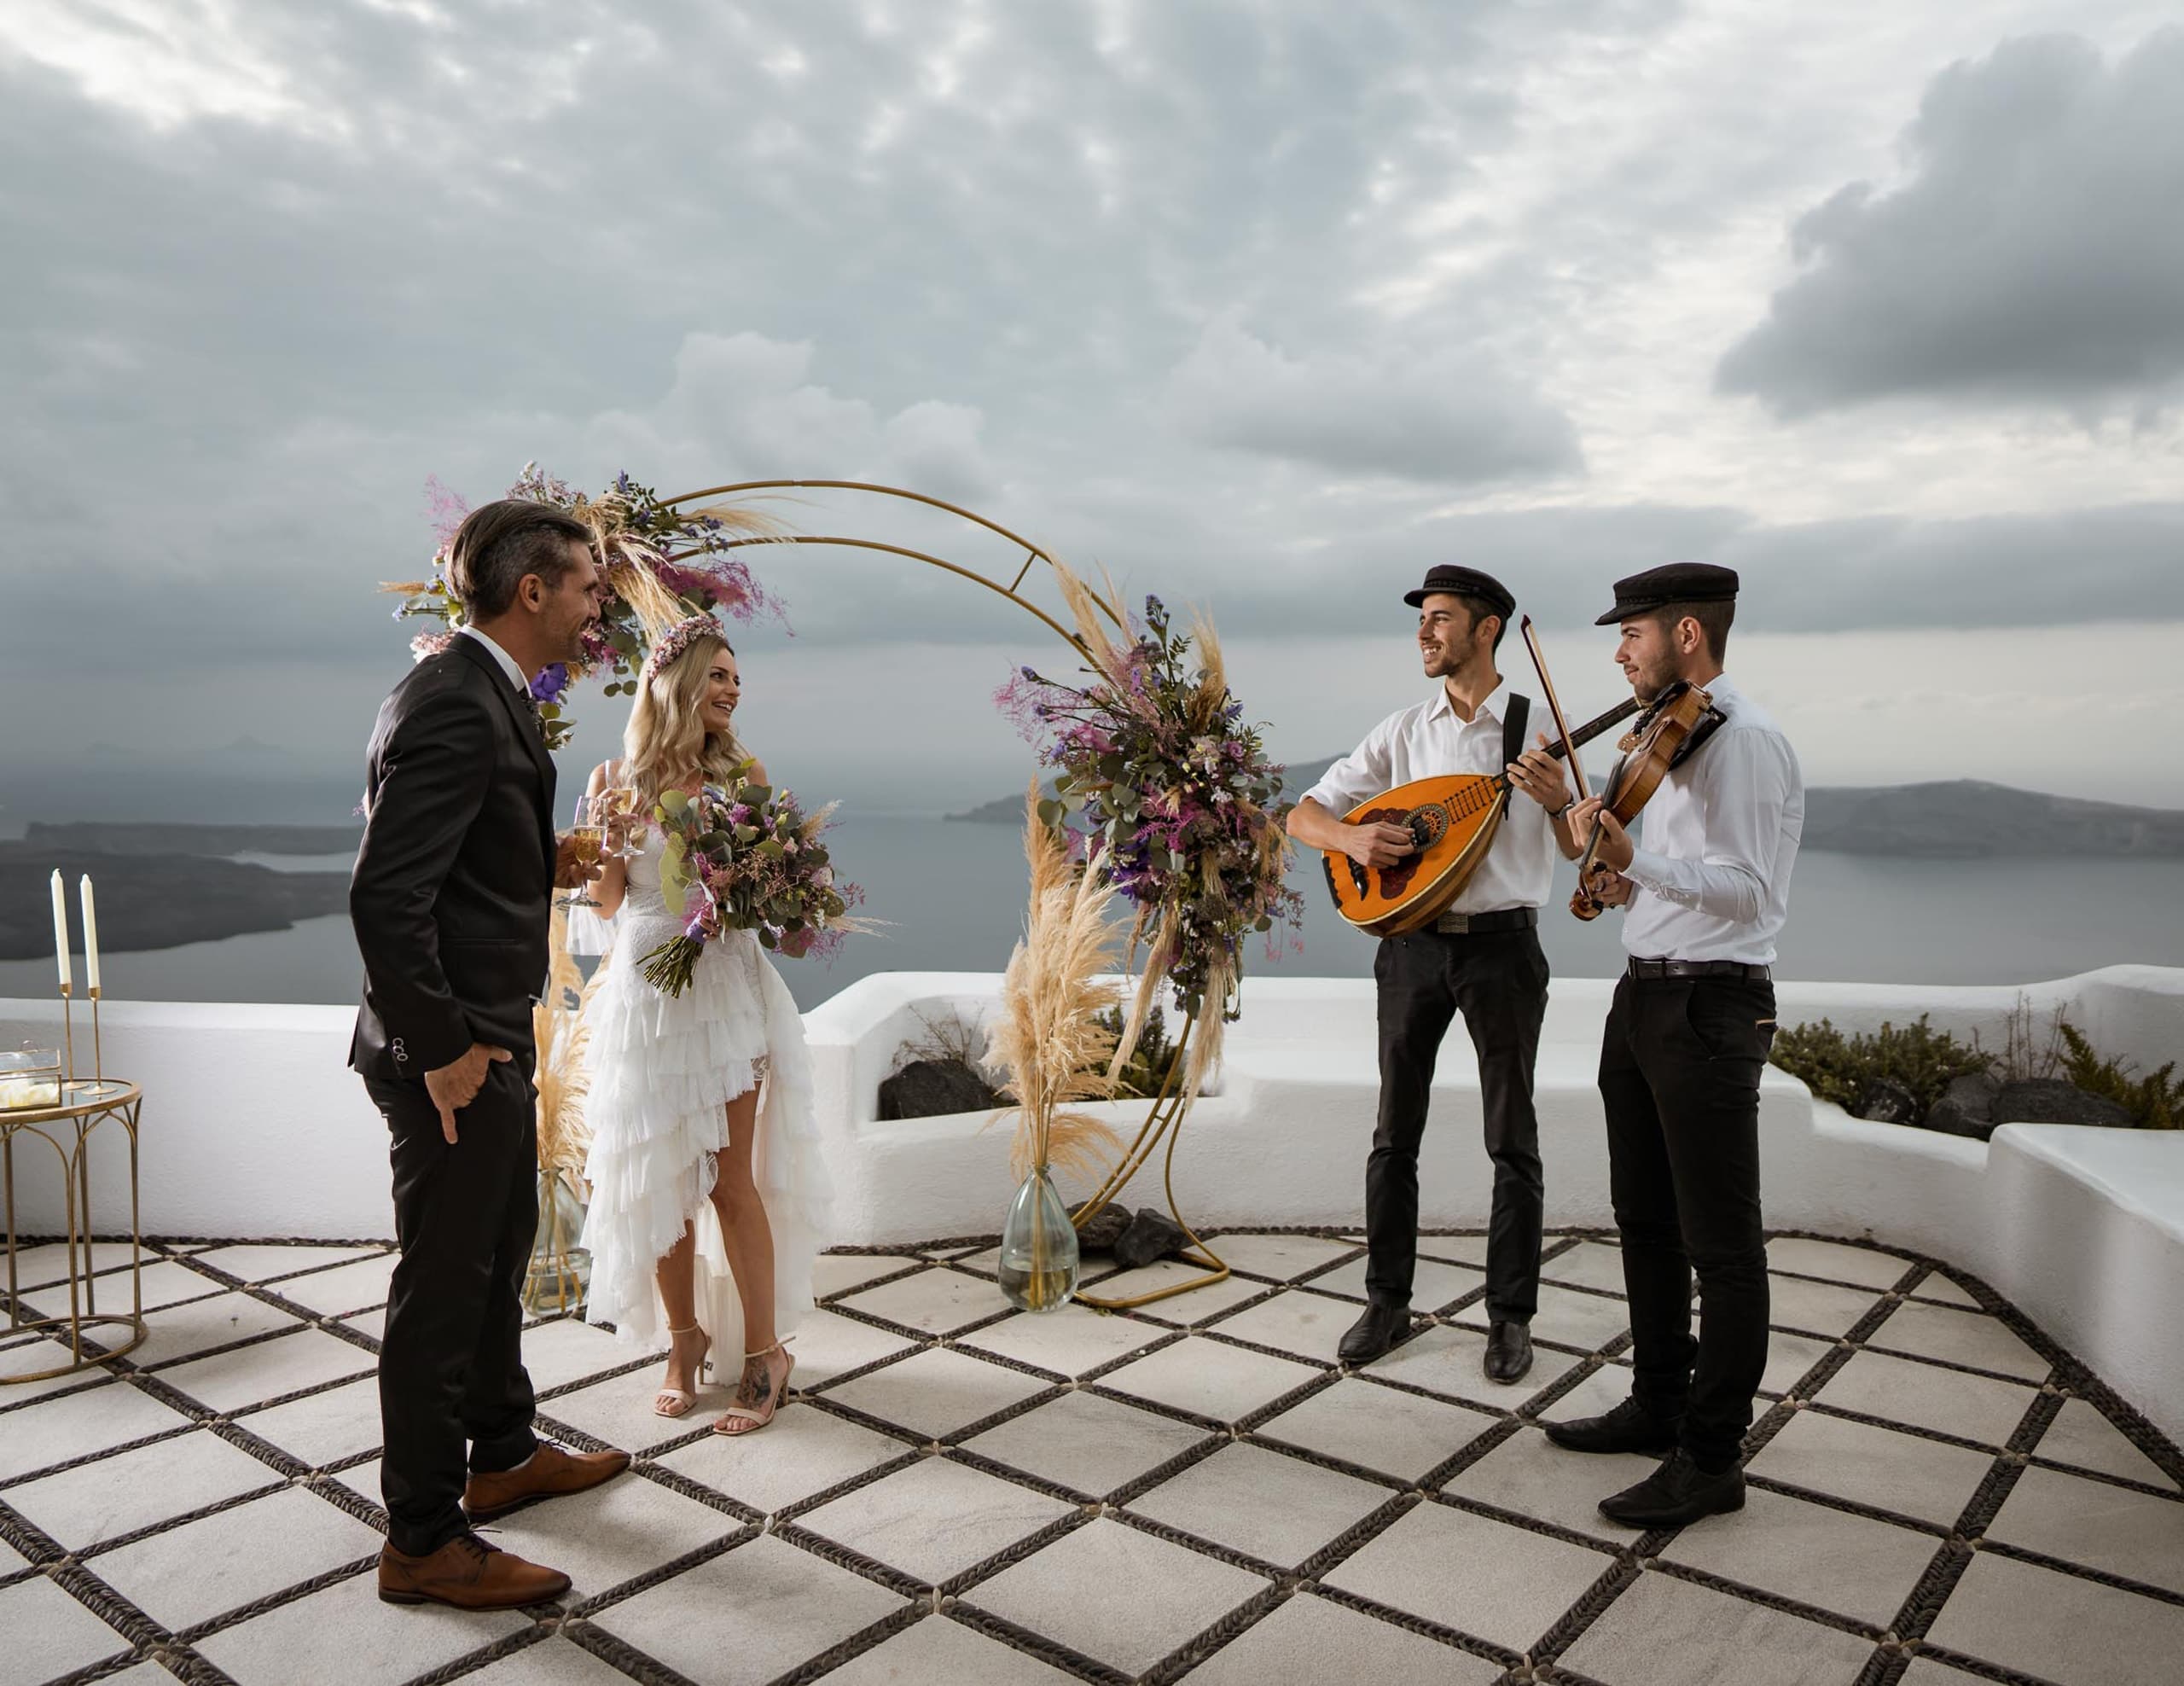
[[1630, 1428], [1677, 1494], [1375, 1333], [1508, 1352]]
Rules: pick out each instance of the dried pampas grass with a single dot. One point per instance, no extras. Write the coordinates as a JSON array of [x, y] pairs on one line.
[[1096, 617], [558, 1028], [1047, 1044]]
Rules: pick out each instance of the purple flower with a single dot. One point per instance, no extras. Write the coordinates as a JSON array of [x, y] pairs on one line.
[[551, 683]]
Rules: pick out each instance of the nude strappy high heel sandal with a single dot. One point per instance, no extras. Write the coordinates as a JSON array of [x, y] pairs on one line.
[[682, 1401], [777, 1389]]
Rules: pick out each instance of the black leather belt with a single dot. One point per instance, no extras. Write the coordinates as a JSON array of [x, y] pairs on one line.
[[1478, 924], [1699, 968]]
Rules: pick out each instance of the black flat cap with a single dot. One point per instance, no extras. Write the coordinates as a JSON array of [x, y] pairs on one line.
[[1464, 582], [1675, 583]]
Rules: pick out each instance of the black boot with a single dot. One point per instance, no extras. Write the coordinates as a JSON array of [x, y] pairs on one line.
[[1677, 1494], [1508, 1352], [1375, 1333], [1630, 1428]]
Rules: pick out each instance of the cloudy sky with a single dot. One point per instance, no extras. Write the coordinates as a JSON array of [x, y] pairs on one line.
[[1265, 305]]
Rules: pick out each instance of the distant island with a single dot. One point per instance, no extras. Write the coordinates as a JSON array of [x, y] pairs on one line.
[[160, 897], [1954, 819]]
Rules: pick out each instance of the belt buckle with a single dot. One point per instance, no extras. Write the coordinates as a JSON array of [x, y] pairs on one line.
[[1453, 924]]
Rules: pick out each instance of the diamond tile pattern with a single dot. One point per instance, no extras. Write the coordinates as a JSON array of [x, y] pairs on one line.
[[1197, 1488]]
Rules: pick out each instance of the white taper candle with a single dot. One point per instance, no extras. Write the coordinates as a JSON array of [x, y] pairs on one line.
[[60, 929], [90, 938]]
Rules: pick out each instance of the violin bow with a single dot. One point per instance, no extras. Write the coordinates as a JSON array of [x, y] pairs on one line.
[[1583, 898], [1554, 707]]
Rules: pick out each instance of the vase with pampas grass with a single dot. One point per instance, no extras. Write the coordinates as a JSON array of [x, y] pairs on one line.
[[1053, 1052], [559, 1271]]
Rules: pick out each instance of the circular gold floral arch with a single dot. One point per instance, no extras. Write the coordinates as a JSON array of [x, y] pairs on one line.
[[1150, 753]]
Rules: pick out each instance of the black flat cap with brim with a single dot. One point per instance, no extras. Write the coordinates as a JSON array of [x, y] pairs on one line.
[[1447, 576], [1673, 583]]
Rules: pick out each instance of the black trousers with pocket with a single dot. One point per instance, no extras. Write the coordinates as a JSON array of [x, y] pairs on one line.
[[1497, 980], [450, 1362], [1680, 1068]]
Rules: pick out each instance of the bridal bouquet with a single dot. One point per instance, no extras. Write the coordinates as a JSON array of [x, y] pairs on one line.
[[747, 856]]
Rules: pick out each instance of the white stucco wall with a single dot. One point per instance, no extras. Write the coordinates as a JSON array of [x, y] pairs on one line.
[[254, 1127]]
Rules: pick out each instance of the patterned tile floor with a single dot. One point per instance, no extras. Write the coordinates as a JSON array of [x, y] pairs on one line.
[[962, 1494]]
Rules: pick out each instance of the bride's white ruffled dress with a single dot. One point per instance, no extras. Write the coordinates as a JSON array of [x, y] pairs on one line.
[[662, 1070]]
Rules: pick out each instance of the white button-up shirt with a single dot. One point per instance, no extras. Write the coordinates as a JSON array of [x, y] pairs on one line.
[[1717, 842], [1432, 740], [508, 663]]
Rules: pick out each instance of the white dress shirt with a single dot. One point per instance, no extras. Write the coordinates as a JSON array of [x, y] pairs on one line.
[[508, 663], [1430, 740], [1717, 842]]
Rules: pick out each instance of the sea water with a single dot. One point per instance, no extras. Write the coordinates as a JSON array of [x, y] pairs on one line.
[[953, 895]]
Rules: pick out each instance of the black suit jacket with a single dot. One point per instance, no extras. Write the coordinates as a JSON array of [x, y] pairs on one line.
[[451, 897]]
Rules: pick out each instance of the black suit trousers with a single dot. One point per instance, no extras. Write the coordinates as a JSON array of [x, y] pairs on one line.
[[450, 1366], [1679, 1066], [1497, 980]]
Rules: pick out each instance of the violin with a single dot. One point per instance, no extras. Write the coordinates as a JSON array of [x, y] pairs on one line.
[[1673, 725], [1669, 729]]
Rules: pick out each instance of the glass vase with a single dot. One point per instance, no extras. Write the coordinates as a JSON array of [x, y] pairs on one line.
[[1037, 1266], [560, 1270]]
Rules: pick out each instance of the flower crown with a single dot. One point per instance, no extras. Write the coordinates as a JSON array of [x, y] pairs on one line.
[[678, 638]]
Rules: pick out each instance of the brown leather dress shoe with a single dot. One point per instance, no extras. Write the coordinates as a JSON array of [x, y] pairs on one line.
[[467, 1574], [550, 1472]]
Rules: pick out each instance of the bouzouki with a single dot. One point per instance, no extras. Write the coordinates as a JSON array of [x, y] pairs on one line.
[[1452, 819]]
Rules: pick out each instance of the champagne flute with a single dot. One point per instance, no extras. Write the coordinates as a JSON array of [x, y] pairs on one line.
[[587, 836], [619, 816]]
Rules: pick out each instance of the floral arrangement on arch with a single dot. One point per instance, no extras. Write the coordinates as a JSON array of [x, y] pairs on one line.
[[1178, 803], [662, 565]]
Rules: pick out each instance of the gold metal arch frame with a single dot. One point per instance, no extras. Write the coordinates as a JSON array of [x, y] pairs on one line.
[[1164, 1118]]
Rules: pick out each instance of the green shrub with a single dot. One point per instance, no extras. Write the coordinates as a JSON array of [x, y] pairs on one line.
[[2154, 1101], [1150, 1063], [1840, 1068]]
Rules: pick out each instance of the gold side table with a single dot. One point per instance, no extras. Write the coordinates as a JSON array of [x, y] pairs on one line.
[[85, 1104]]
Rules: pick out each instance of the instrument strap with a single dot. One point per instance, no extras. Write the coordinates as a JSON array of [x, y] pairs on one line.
[[1512, 730]]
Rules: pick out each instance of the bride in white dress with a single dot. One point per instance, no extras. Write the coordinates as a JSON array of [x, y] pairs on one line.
[[709, 1194]]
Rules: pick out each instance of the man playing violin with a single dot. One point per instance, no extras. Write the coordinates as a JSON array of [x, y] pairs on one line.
[[1482, 958], [1705, 894]]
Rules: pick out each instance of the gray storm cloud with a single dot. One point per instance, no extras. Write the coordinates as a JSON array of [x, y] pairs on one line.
[[2034, 250]]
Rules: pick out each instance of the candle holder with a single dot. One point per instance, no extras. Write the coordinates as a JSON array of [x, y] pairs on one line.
[[98, 1048]]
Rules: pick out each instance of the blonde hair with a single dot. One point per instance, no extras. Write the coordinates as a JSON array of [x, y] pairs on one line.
[[665, 743]]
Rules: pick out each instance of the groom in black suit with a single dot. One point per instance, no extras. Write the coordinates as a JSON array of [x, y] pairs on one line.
[[450, 905]]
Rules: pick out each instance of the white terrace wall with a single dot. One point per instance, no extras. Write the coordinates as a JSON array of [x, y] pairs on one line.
[[253, 1127]]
